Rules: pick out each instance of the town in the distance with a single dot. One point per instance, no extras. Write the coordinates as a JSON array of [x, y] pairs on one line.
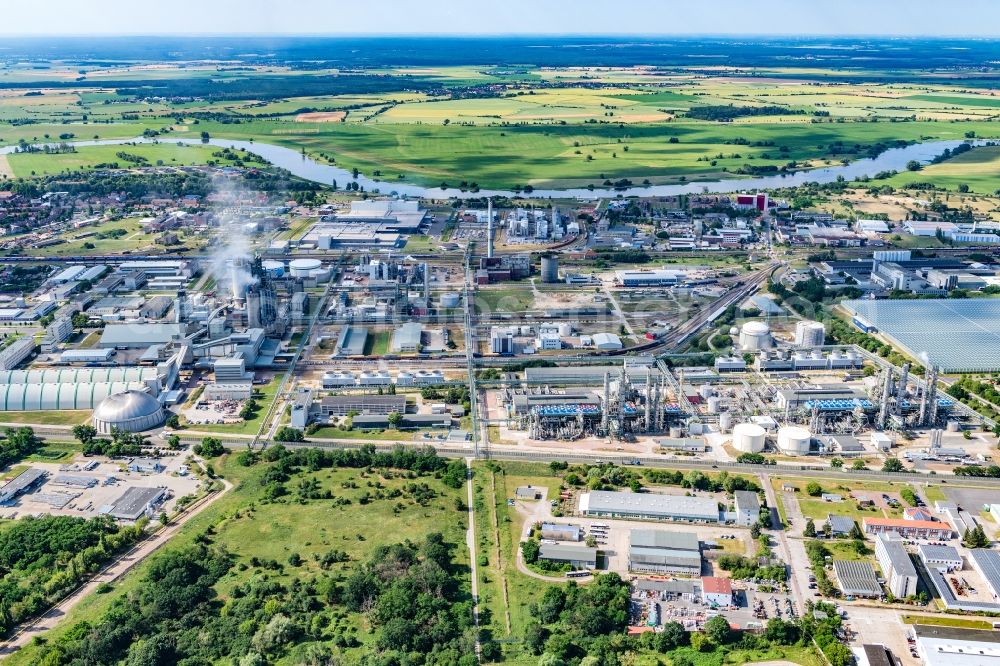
[[567, 363]]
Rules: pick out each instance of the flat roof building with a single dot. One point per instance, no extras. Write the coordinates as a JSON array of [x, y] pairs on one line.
[[649, 506], [943, 558], [580, 557], [900, 574], [987, 562], [24, 482], [659, 551], [560, 532], [857, 578], [840, 525], [407, 338], [342, 405], [140, 335], [922, 529], [135, 503], [351, 341], [747, 507], [228, 391], [649, 278], [956, 335], [16, 352], [956, 646], [717, 591]]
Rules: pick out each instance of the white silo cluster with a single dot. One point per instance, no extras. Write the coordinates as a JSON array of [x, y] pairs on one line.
[[755, 335], [809, 334]]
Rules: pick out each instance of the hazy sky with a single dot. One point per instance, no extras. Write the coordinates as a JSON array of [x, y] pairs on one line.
[[647, 17]]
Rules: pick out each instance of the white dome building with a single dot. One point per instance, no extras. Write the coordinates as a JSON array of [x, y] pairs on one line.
[[132, 411], [755, 335]]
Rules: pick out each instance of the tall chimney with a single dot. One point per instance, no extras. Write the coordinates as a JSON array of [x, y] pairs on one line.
[[489, 228]]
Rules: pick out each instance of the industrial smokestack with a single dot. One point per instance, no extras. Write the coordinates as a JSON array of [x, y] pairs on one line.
[[427, 284], [933, 398], [489, 228]]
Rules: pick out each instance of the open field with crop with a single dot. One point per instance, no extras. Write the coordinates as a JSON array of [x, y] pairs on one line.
[[160, 154], [560, 127], [978, 168]]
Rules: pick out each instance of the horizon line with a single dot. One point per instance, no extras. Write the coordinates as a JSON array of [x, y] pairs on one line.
[[495, 35]]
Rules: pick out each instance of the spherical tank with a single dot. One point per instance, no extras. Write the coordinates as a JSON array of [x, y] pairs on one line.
[[749, 438], [793, 440]]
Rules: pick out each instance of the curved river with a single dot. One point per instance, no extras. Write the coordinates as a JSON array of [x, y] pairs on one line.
[[894, 159]]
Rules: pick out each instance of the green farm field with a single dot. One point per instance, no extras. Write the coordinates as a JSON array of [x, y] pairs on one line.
[[978, 168], [559, 128], [85, 157]]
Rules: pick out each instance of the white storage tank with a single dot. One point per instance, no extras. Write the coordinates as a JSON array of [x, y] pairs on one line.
[[809, 334], [714, 404], [565, 329], [450, 299], [696, 428], [725, 421], [303, 268], [755, 335], [675, 432], [749, 438], [706, 391], [794, 441]]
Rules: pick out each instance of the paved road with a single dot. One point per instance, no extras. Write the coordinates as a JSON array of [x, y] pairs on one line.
[[498, 452], [797, 581]]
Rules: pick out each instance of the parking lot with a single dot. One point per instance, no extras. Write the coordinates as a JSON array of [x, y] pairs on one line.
[[82, 488]]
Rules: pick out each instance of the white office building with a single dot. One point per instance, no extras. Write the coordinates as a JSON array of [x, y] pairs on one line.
[[898, 569]]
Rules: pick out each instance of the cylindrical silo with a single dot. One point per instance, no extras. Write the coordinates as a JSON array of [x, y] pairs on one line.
[[714, 404], [725, 421], [809, 334], [794, 441], [705, 391], [755, 335], [550, 269], [748, 438]]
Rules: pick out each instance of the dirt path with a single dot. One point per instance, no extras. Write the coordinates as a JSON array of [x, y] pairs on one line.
[[470, 542], [118, 567], [5, 169]]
